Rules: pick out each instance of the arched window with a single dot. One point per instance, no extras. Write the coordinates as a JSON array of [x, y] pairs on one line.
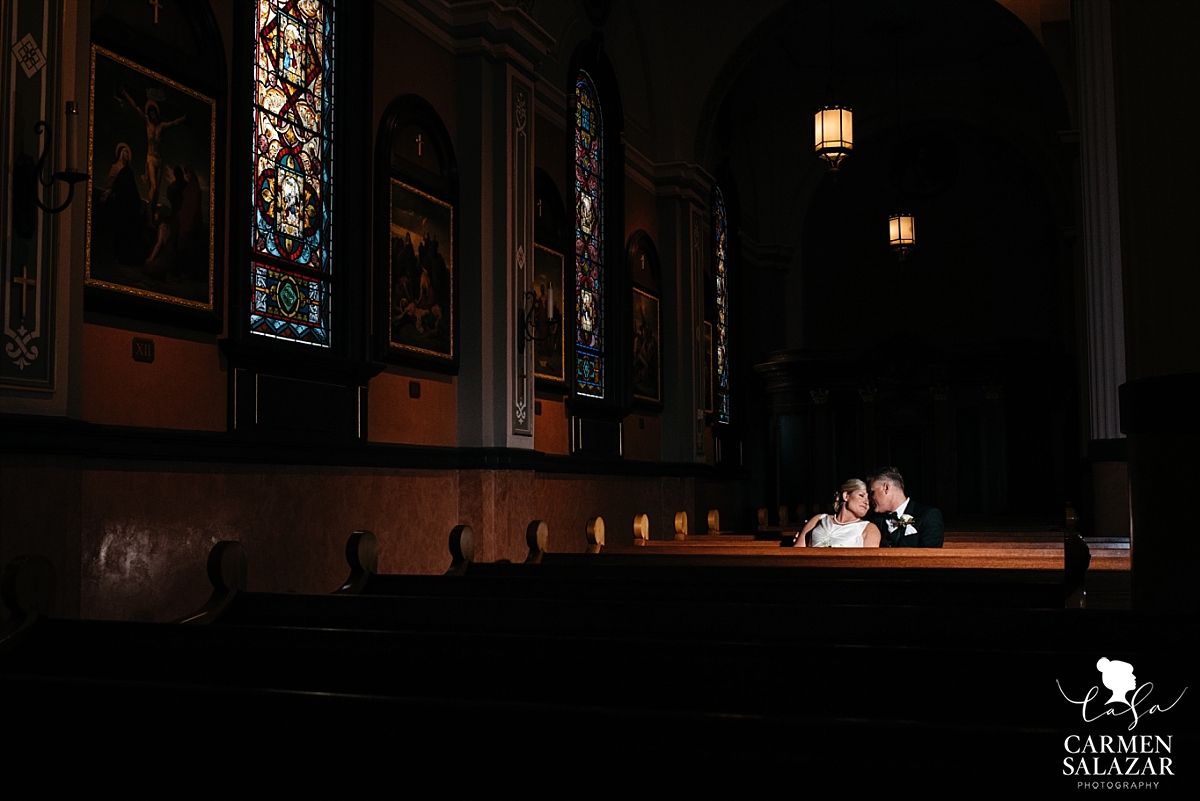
[[589, 240], [721, 334], [292, 266]]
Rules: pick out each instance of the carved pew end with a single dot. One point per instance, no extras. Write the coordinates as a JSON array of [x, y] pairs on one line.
[[29, 589], [537, 534], [462, 549], [227, 568], [714, 521], [641, 528], [595, 534], [362, 554], [227, 571], [681, 525]]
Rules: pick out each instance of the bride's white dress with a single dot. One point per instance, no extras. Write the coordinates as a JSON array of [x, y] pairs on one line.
[[829, 533]]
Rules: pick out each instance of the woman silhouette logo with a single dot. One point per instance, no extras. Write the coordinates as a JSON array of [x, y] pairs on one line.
[[1118, 677]]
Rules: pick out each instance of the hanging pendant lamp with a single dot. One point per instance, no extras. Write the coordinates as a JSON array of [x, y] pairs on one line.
[[902, 233], [902, 228], [833, 130]]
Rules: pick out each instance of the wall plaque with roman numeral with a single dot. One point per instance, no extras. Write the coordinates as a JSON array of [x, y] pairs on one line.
[[143, 350]]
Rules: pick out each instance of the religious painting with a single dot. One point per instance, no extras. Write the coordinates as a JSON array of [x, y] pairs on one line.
[[706, 367], [421, 274], [548, 298], [647, 382], [151, 199]]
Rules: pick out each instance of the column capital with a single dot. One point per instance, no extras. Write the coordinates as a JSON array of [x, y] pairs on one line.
[[683, 180], [501, 30]]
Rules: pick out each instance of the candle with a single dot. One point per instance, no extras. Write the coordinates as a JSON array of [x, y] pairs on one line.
[[72, 141]]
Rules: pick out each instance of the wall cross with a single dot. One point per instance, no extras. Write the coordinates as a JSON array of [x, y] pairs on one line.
[[27, 284]]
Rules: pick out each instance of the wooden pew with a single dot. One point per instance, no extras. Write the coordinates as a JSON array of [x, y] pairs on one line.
[[1033, 568], [441, 664], [296, 682], [421, 608], [571, 611]]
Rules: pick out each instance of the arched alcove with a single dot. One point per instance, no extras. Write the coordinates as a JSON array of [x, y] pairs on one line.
[[416, 270]]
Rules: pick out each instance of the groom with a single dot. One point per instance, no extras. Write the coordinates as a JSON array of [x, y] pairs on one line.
[[902, 522]]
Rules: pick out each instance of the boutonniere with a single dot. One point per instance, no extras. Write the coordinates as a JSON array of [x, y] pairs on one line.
[[907, 522]]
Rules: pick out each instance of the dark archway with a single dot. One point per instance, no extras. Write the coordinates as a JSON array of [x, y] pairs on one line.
[[961, 361]]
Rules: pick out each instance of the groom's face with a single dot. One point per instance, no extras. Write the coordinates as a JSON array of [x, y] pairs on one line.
[[883, 498]]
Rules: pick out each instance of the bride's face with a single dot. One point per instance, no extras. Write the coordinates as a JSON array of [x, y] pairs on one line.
[[857, 502]]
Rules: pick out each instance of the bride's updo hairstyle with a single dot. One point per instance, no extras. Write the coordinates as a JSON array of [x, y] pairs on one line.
[[853, 485]]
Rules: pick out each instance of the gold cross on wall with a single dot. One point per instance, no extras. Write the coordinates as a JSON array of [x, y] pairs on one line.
[[418, 144], [157, 8], [28, 283]]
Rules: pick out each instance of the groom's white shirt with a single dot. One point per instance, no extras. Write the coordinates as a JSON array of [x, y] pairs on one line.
[[893, 524]]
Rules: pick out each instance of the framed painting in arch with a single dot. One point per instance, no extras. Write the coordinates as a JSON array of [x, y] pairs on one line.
[[548, 277], [420, 275], [152, 197], [647, 347], [706, 367]]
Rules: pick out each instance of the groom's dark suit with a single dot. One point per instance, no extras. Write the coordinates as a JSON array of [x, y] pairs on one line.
[[926, 520]]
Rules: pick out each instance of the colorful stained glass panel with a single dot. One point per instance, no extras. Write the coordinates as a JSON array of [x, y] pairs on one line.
[[589, 241], [289, 306], [293, 149], [721, 368]]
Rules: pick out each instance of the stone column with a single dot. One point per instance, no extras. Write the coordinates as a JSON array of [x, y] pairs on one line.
[[498, 48], [1154, 59], [684, 247], [1104, 309]]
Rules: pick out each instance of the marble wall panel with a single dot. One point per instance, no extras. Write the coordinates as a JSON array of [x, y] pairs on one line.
[[146, 533], [571, 500], [142, 534], [522, 504], [39, 497]]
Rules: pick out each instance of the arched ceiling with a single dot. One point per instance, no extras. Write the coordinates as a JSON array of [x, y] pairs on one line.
[[907, 63]]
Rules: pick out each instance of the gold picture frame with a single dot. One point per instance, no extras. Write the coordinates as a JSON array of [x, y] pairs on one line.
[[647, 346], [420, 274], [151, 220], [549, 279]]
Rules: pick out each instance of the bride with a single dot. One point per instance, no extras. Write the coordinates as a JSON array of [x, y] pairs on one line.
[[845, 528]]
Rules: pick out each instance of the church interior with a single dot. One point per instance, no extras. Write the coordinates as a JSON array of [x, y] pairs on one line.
[[279, 271]]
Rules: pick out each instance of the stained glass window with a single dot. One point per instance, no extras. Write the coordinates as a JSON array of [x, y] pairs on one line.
[[721, 357], [589, 240], [293, 170]]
